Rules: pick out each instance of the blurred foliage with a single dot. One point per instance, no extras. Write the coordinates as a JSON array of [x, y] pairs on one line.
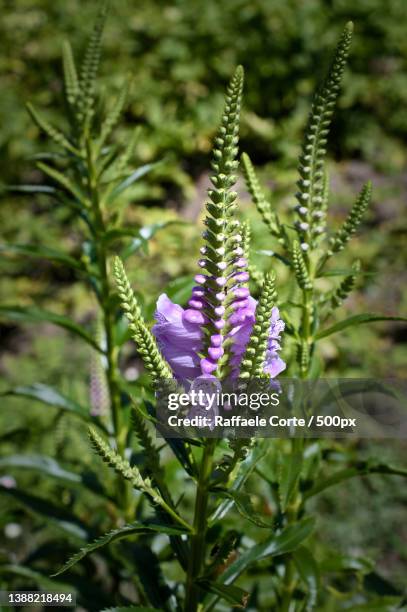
[[180, 54]]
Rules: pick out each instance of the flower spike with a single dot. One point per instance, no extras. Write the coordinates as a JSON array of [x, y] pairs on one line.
[[352, 222], [209, 338], [260, 355], [223, 263], [153, 360], [311, 183]]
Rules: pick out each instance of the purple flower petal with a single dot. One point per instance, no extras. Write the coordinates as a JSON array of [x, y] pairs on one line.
[[273, 365], [179, 340]]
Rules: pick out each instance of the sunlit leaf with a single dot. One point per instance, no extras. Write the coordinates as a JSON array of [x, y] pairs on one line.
[[132, 178], [145, 234]]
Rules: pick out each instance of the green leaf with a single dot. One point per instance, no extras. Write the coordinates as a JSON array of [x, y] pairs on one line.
[[179, 446], [246, 467], [232, 594], [343, 389], [149, 572], [335, 562], [308, 569], [51, 397], [382, 604], [63, 181], [50, 467], [355, 320], [179, 290], [44, 508], [132, 178], [122, 532], [33, 250], [244, 506], [288, 540], [42, 580], [54, 133], [289, 475], [31, 314], [145, 234], [362, 468], [40, 463], [343, 272], [31, 188]]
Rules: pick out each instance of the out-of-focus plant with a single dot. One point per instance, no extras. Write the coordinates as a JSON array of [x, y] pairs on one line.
[[224, 333], [183, 62], [89, 177], [306, 245]]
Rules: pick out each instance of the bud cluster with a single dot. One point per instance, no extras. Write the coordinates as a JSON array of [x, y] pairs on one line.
[[219, 299], [310, 197]]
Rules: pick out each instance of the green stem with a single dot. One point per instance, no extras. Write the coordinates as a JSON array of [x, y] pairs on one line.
[[111, 351], [288, 586], [290, 579], [197, 554]]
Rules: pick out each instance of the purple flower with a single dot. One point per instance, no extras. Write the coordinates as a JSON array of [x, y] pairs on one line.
[[274, 365], [179, 337]]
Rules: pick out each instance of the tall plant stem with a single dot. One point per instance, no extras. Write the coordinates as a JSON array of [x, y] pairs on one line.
[[104, 296], [197, 554], [289, 580]]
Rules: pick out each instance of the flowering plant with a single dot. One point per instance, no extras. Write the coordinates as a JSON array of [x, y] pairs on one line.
[[181, 537]]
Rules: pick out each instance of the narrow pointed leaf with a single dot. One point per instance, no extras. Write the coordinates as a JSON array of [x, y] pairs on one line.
[[51, 468], [122, 532], [31, 314], [309, 572], [50, 396], [245, 469], [42, 252], [42, 580], [132, 178], [286, 541], [31, 188], [289, 475], [356, 320], [60, 517], [362, 468], [232, 594], [146, 233], [244, 506]]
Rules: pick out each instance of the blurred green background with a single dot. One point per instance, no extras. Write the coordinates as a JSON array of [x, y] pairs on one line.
[[180, 55]]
